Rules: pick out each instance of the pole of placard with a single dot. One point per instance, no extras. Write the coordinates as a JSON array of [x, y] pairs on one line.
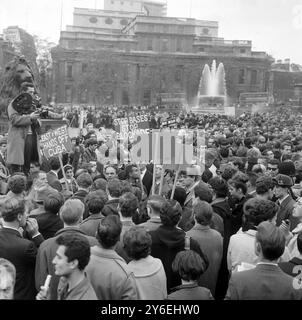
[[62, 168], [140, 179], [162, 179], [154, 160], [175, 182]]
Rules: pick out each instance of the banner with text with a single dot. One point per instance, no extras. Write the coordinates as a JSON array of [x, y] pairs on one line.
[[55, 142], [130, 126]]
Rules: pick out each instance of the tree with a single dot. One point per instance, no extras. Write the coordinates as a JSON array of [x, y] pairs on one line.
[[44, 64], [101, 72]]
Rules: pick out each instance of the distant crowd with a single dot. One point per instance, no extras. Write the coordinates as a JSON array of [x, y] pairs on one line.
[[226, 228]]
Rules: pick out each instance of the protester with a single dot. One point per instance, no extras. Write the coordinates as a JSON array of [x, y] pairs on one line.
[[95, 202], [113, 192], [241, 246], [7, 279], [266, 281], [210, 242], [190, 266], [149, 273], [72, 256], [19, 251], [49, 221], [107, 271], [71, 214]]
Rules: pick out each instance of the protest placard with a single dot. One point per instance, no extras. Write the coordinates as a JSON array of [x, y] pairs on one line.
[[55, 142], [130, 126]]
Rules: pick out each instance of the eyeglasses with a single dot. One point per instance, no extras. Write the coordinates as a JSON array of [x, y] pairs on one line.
[[270, 168]]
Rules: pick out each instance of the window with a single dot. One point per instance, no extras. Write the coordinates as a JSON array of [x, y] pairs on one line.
[[68, 94], [181, 29], [201, 49], [149, 44], [165, 45], [125, 98], [112, 1], [122, 2], [242, 51], [151, 28], [84, 67], [241, 76], [126, 73], [178, 44], [177, 75], [124, 22], [69, 70], [108, 21], [93, 20], [166, 29], [205, 31], [147, 97], [254, 77], [138, 71]]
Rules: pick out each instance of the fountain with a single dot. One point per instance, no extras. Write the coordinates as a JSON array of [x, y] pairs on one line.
[[211, 97]]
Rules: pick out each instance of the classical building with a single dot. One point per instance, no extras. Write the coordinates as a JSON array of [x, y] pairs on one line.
[[286, 82], [132, 53]]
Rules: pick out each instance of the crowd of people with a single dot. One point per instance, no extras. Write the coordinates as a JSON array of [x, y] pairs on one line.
[[228, 228]]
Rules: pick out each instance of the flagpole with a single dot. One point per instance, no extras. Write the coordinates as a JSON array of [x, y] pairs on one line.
[[61, 22]]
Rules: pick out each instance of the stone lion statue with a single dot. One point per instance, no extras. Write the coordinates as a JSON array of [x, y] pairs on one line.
[[17, 74]]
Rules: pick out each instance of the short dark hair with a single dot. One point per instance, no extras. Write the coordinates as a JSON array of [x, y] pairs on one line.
[[286, 143], [248, 142], [129, 169], [189, 265], [264, 184], [274, 162], [11, 208], [137, 242], [238, 185], [96, 201], [299, 242], [219, 186], [203, 212], [84, 180], [271, 239], [114, 188], [128, 204], [54, 163], [99, 184], [109, 231], [53, 202], [180, 195], [256, 211], [203, 192], [77, 247], [170, 213], [125, 186], [17, 184]]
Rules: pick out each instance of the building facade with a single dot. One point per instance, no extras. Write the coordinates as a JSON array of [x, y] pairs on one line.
[[153, 59]]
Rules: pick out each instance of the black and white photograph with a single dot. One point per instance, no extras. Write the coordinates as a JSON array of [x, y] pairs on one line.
[[150, 151]]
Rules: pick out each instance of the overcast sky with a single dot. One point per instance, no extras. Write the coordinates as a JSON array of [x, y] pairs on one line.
[[274, 26]]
